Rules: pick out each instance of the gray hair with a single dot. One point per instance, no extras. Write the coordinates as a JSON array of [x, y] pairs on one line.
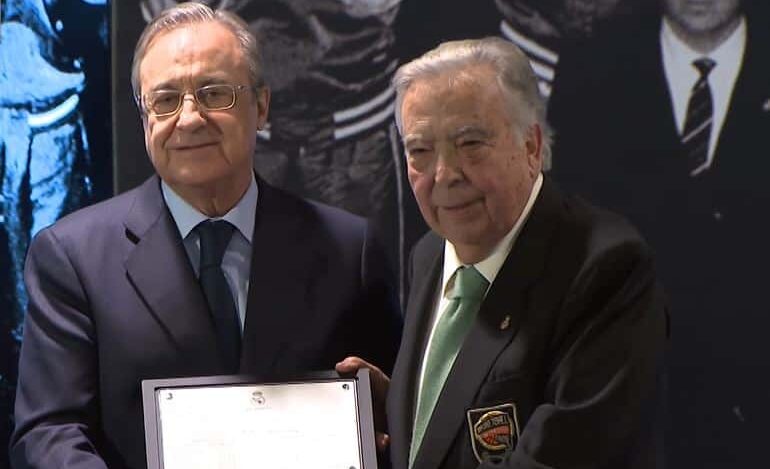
[[193, 13], [515, 77]]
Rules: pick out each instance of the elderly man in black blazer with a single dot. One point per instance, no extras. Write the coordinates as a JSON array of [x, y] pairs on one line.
[[535, 328], [203, 270]]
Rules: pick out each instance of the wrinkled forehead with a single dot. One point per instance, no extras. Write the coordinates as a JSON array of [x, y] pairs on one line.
[[450, 105], [192, 55], [473, 76]]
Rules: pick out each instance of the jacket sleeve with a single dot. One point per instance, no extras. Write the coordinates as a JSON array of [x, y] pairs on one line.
[[56, 403], [604, 380], [381, 320]]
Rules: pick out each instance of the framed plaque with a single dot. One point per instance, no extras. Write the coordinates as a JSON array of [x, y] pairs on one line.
[[319, 421]]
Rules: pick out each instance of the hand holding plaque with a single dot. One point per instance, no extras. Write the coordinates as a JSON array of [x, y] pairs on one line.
[[380, 382]]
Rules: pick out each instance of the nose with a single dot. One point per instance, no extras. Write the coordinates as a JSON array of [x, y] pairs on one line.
[[190, 116], [448, 168]]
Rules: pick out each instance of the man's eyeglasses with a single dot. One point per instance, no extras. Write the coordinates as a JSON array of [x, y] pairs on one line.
[[161, 103]]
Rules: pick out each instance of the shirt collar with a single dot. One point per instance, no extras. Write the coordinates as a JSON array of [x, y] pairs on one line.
[[727, 55], [188, 217], [490, 266]]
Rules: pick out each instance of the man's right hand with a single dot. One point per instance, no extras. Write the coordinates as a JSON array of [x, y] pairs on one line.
[[380, 384]]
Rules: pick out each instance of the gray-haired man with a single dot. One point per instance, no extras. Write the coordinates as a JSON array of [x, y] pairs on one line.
[[204, 269], [535, 327]]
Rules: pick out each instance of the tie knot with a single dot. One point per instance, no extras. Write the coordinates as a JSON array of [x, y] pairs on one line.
[[704, 66], [469, 284], [215, 236]]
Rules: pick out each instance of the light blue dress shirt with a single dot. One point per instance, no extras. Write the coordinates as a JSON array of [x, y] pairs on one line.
[[236, 262]]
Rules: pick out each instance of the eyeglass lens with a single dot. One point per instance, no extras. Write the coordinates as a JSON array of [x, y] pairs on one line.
[[212, 97]]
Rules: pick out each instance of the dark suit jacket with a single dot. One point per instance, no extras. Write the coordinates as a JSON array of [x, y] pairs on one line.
[[617, 144], [114, 300], [570, 336]]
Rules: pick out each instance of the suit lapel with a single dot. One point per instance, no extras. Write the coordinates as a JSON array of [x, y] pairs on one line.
[[749, 103], [498, 321], [160, 271], [402, 395], [668, 155], [281, 288]]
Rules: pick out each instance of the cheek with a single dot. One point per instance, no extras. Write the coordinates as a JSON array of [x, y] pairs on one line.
[[157, 134], [421, 184], [238, 138], [498, 188], [506, 200]]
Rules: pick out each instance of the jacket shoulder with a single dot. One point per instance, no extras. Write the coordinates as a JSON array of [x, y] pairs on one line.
[[314, 217], [109, 213]]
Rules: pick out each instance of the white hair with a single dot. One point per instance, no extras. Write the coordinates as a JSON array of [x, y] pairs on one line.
[[194, 13], [515, 77]]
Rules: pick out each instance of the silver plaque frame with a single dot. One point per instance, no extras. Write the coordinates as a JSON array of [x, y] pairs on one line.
[[319, 420]]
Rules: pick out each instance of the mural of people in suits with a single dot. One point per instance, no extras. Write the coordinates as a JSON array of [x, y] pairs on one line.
[[541, 28], [635, 133]]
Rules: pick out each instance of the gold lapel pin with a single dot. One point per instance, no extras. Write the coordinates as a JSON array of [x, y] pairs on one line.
[[506, 322]]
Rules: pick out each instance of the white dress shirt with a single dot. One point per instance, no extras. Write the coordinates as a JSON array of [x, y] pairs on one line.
[[236, 262], [681, 76], [488, 267]]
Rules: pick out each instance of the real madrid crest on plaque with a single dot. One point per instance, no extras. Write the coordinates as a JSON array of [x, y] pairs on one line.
[[493, 430]]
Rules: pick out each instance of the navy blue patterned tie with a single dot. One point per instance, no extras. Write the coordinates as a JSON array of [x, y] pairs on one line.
[[214, 237], [698, 122]]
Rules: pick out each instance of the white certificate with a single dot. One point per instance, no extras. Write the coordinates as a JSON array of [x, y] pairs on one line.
[[313, 424]]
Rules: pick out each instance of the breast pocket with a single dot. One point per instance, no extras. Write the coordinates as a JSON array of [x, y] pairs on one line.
[[497, 417]]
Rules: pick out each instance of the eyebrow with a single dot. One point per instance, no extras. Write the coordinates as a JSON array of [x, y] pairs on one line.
[[470, 130], [415, 138], [205, 80]]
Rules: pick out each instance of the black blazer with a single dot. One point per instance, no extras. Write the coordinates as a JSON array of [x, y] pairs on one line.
[[617, 144], [616, 140], [114, 300], [567, 344]]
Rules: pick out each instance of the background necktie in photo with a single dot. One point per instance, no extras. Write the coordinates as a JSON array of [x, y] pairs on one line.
[[699, 119]]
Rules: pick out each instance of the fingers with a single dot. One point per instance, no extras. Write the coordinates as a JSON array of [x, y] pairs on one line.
[[381, 440], [380, 381], [353, 364]]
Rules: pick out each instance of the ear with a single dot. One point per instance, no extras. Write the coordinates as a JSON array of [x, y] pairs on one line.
[[533, 147], [263, 104]]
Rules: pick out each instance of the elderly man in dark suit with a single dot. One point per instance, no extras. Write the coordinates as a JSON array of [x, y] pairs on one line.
[[202, 270], [664, 117], [535, 328]]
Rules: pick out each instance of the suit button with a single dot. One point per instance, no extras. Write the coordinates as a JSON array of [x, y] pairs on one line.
[[718, 216], [506, 323]]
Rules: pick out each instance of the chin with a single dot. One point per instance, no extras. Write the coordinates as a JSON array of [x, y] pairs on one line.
[[197, 176], [467, 236]]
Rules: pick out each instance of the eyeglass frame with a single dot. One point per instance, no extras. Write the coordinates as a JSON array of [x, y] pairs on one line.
[[140, 99]]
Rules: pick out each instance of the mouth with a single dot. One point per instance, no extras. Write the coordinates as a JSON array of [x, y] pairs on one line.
[[192, 146], [459, 208]]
